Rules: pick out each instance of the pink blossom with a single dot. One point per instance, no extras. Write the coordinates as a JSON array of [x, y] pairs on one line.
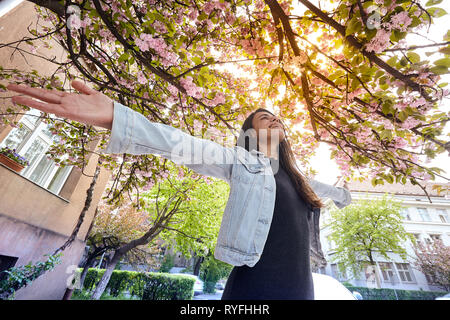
[[388, 124], [74, 22], [141, 78], [400, 142], [193, 14], [410, 123], [190, 87], [86, 22], [218, 99], [401, 21], [418, 102], [159, 27], [380, 42], [209, 7]]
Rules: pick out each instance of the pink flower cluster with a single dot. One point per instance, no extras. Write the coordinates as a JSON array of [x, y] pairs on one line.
[[409, 123], [142, 79], [401, 21], [210, 6], [380, 42], [252, 46], [400, 142], [191, 87], [218, 99], [146, 42]]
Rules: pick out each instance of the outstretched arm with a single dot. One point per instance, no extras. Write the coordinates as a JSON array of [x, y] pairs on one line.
[[131, 131], [340, 196], [134, 134]]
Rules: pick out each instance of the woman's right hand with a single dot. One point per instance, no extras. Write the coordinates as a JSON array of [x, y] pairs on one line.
[[90, 107]]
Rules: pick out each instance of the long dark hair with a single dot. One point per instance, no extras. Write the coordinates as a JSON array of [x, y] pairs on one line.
[[287, 161]]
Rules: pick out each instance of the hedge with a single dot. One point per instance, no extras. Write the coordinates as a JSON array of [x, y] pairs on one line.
[[389, 294], [145, 285]]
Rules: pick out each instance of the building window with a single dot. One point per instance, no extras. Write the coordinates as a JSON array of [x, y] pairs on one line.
[[404, 272], [6, 262], [417, 237], [31, 139], [435, 237], [423, 212], [335, 273], [387, 272], [405, 214], [443, 215]]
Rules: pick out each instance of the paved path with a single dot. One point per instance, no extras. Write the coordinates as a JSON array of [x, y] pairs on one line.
[[215, 296]]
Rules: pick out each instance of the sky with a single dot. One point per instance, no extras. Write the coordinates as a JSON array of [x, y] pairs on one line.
[[328, 170]]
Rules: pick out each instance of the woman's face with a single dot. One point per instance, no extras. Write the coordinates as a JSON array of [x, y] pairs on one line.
[[265, 121]]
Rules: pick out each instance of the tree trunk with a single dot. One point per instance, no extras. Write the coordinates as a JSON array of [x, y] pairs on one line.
[[377, 276], [197, 265], [90, 261], [67, 294], [101, 286]]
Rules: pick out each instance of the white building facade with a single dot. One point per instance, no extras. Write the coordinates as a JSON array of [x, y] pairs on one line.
[[424, 220]]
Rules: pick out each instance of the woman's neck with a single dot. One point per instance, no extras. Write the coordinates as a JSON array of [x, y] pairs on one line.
[[270, 150]]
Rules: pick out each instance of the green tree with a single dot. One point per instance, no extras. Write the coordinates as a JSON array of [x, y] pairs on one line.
[[193, 230], [364, 229], [211, 271]]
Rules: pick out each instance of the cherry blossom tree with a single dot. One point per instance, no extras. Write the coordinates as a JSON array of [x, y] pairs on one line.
[[433, 260], [344, 75]]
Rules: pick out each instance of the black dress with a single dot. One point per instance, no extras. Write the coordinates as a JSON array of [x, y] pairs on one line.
[[283, 271]]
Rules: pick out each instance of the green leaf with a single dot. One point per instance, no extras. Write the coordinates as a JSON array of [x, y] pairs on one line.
[[447, 36], [389, 178], [386, 134], [432, 2], [445, 50], [437, 12], [443, 62], [414, 57], [354, 25], [402, 115], [439, 70]]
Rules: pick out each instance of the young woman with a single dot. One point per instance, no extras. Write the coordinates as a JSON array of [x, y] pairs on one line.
[[270, 220]]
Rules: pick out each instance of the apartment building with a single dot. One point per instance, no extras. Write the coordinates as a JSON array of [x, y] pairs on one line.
[[39, 206], [426, 221]]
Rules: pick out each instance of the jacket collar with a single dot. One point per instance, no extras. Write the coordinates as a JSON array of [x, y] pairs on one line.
[[258, 153]]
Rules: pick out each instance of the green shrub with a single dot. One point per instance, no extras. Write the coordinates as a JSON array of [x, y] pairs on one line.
[[145, 285], [167, 263], [159, 286], [389, 294]]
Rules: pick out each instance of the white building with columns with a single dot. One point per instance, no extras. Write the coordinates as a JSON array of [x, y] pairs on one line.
[[426, 221]]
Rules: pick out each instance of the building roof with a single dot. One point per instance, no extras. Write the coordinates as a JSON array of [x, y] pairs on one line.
[[398, 188]]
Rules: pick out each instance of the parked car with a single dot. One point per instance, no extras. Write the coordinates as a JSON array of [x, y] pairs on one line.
[[328, 288], [444, 297], [220, 286]]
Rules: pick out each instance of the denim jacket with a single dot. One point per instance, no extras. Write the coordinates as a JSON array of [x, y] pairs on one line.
[[248, 213]]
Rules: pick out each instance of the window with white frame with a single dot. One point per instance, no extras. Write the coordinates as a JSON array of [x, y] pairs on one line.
[[336, 273], [31, 139], [424, 215], [330, 243], [405, 214], [388, 272], [417, 237], [435, 237], [443, 215], [404, 272]]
